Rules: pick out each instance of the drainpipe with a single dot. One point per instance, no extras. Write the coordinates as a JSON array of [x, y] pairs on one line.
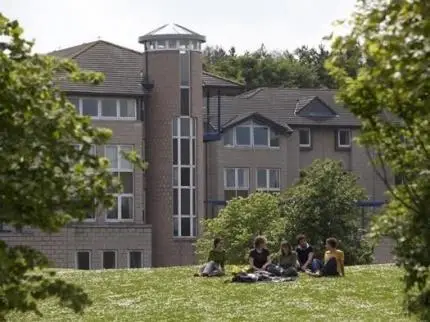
[[219, 111], [207, 109]]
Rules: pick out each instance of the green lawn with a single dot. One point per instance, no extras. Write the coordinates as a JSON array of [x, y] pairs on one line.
[[368, 293]]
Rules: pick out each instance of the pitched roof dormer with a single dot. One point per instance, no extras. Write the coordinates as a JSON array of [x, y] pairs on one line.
[[259, 118], [313, 107]]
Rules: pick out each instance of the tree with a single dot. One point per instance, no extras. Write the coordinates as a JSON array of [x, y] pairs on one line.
[[44, 181], [240, 222], [390, 95], [322, 204], [303, 68]]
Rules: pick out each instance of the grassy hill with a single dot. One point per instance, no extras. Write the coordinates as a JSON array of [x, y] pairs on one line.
[[367, 293]]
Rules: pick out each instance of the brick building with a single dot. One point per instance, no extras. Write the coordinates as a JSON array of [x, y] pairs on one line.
[[206, 141]]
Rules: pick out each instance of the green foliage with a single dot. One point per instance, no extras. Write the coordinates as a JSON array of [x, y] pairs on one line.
[[20, 289], [44, 181], [303, 68], [390, 95], [239, 223], [322, 204]]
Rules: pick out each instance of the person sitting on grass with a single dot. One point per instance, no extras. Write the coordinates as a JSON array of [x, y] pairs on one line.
[[216, 260], [305, 254], [286, 261], [259, 257], [333, 261]]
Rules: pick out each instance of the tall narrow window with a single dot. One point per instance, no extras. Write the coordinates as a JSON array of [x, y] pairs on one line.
[[91, 215], [184, 177], [123, 169], [184, 57], [185, 101], [343, 138], [305, 138]]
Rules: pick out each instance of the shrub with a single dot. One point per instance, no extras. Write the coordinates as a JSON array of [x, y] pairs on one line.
[[322, 204], [239, 222]]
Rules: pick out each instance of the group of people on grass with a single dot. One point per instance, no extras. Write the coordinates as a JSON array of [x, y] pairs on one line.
[[287, 262]]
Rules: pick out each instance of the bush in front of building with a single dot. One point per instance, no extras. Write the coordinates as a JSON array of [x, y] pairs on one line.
[[323, 203], [239, 223]]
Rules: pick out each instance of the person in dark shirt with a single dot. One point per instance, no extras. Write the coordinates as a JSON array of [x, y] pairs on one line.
[[259, 257], [305, 253], [216, 260], [285, 261]]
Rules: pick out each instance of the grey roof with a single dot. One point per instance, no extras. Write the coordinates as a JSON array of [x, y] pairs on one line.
[[171, 31], [279, 105], [313, 107], [283, 128], [210, 79], [121, 66]]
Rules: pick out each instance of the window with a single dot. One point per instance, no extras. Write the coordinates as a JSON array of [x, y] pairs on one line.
[[185, 82], [251, 135], [399, 179], [185, 68], [106, 108], [89, 107], [236, 183], [91, 216], [344, 138], [127, 108], [75, 101], [123, 169], [243, 135], [135, 259], [184, 177], [185, 101], [305, 138], [83, 260], [268, 179], [109, 259]]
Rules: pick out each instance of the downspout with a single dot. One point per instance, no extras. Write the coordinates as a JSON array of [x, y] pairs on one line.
[[207, 152], [146, 79], [219, 111], [207, 109]]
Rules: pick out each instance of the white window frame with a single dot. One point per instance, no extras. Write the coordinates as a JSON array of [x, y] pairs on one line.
[[89, 258], [129, 257], [92, 151], [99, 108], [109, 251], [193, 45], [267, 188], [309, 138], [338, 138], [192, 137], [251, 127], [236, 179], [119, 196]]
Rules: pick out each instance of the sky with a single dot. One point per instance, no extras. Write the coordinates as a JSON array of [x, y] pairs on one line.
[[245, 24]]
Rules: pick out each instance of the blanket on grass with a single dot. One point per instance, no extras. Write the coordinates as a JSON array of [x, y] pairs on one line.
[[262, 276]]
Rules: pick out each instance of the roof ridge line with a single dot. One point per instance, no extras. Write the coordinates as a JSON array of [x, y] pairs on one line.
[[96, 42], [90, 45], [223, 78], [185, 28]]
